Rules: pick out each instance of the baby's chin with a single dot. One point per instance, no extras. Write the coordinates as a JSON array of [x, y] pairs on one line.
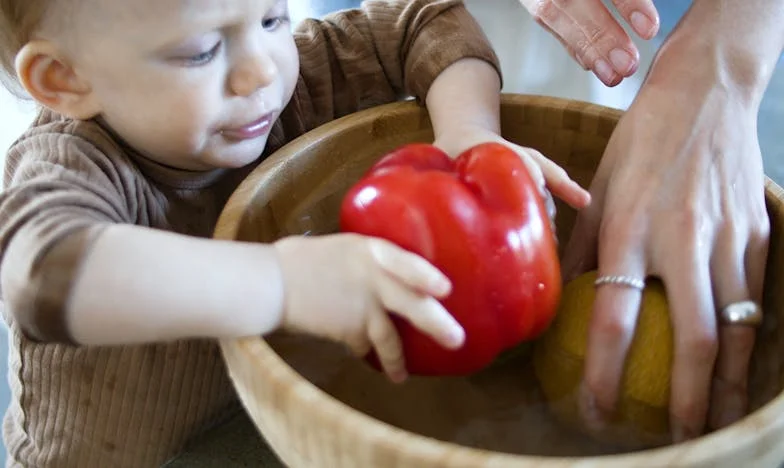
[[235, 154]]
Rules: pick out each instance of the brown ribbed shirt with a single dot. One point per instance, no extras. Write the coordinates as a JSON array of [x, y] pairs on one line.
[[136, 406]]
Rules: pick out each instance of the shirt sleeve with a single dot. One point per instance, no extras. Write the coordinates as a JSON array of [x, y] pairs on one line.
[[60, 192], [380, 53]]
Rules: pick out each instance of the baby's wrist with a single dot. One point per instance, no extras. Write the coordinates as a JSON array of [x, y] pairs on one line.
[[284, 249]]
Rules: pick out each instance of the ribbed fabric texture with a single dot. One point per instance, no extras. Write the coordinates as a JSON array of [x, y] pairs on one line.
[[65, 180], [111, 407]]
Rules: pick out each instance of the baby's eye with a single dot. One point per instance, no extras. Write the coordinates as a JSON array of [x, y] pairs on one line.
[[204, 57], [271, 24]]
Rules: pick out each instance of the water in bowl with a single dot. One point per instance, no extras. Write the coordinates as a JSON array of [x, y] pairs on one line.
[[499, 409]]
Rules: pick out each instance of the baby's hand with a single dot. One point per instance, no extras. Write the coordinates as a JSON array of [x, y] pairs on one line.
[[343, 287], [546, 173]]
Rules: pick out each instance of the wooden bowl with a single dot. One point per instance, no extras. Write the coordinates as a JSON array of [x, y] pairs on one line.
[[319, 407]]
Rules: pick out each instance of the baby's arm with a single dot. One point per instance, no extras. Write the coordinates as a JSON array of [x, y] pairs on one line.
[[431, 49], [464, 107], [77, 268], [141, 285]]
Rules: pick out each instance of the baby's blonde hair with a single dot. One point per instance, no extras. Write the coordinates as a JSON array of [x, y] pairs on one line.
[[19, 20]]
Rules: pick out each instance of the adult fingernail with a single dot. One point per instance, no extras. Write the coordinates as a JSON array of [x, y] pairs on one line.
[[604, 71], [621, 60], [593, 416], [641, 23]]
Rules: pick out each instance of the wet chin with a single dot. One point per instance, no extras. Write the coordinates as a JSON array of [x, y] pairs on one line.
[[235, 154]]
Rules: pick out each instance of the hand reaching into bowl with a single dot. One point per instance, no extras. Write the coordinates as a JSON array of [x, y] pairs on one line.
[[679, 195], [344, 286], [698, 221], [549, 176], [462, 120]]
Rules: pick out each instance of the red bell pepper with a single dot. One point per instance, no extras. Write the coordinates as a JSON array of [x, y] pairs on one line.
[[480, 219]]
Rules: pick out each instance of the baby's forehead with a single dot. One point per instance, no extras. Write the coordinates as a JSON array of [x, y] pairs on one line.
[[193, 12], [166, 19]]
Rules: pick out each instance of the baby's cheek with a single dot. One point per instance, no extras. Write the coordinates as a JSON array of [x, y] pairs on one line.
[[192, 125], [176, 138], [288, 64]]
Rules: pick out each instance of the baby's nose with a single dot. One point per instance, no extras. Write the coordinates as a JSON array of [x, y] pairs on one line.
[[255, 72]]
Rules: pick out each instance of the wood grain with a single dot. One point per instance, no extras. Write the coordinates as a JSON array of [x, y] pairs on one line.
[[298, 191]]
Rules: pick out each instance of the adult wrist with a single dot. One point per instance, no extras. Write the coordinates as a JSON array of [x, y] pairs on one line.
[[723, 44], [693, 66]]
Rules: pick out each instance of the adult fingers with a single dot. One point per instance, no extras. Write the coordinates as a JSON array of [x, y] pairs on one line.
[[569, 49], [641, 15], [593, 33], [580, 254], [738, 274], [729, 393], [615, 311], [687, 279]]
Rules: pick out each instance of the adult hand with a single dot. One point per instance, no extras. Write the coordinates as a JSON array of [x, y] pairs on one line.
[[592, 35], [679, 195]]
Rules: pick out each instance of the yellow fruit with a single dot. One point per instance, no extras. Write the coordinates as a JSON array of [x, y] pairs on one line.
[[642, 413]]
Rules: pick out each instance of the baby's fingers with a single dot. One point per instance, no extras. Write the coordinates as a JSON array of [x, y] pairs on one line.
[[559, 182], [389, 349], [410, 269], [423, 312]]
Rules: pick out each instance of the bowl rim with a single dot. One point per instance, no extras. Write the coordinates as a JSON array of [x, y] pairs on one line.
[[740, 437]]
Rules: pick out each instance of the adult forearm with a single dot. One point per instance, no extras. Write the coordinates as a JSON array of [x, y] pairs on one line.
[[142, 285], [731, 43]]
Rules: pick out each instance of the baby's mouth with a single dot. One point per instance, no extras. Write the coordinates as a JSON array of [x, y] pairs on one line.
[[249, 131]]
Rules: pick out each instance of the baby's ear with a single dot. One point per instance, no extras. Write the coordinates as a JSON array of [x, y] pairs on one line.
[[49, 78]]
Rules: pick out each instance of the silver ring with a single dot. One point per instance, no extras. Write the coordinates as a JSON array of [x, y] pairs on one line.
[[746, 313], [629, 281]]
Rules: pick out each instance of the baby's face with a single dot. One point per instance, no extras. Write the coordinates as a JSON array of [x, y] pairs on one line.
[[194, 84]]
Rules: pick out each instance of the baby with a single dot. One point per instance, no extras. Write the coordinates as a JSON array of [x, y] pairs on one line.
[[152, 112]]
